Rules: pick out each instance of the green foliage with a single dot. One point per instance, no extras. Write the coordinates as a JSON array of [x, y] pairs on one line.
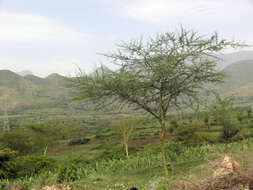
[[238, 74], [221, 110], [78, 141], [209, 137], [26, 166], [6, 168], [126, 129], [174, 150], [32, 138], [187, 135], [25, 142], [3, 184], [249, 112], [240, 116], [243, 133], [99, 136], [154, 76], [162, 187], [144, 165], [68, 173], [113, 153], [173, 125], [12, 166]]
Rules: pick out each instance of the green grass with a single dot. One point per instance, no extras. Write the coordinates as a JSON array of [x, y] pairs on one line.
[[144, 170]]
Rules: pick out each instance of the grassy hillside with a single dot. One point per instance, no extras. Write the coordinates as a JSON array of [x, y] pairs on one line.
[[230, 58], [237, 75], [32, 94], [244, 91], [19, 92]]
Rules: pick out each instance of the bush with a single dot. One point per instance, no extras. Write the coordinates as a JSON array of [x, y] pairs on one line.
[[113, 153], [78, 141], [99, 136], [12, 166], [244, 133], [19, 140], [174, 150], [68, 173], [229, 130], [27, 166], [209, 137], [221, 110], [6, 168], [173, 125], [186, 134]]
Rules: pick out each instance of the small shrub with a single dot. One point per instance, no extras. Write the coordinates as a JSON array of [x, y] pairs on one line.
[[175, 147], [209, 137], [99, 136], [19, 140], [68, 173], [173, 125], [174, 150], [27, 166], [78, 141], [162, 187], [6, 168], [12, 167], [229, 130], [244, 133], [113, 153], [186, 134]]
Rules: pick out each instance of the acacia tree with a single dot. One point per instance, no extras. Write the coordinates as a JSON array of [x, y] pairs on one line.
[[157, 75], [221, 110], [126, 129]]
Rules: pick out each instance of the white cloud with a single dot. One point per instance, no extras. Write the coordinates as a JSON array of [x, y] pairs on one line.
[[43, 59], [158, 11], [27, 28], [41, 68]]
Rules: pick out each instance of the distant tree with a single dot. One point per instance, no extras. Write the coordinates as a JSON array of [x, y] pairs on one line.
[[46, 133], [25, 142], [221, 110], [240, 116], [126, 129], [163, 73], [31, 138], [249, 112], [206, 121]]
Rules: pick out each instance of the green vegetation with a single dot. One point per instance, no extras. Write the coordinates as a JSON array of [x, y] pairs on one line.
[[100, 162], [156, 76], [221, 111], [126, 129], [54, 140], [238, 75]]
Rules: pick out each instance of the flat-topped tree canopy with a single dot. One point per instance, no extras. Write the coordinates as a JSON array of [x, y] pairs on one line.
[[158, 74]]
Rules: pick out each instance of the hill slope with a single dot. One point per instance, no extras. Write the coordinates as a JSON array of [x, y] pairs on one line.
[[230, 58], [19, 92], [237, 74]]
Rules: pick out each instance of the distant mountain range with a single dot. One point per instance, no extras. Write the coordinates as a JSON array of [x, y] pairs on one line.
[[21, 92], [24, 90], [24, 73], [230, 58]]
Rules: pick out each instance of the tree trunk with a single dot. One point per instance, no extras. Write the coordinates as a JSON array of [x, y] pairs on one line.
[[45, 151], [163, 147], [126, 147]]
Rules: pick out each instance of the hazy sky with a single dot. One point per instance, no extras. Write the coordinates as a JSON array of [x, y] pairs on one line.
[[47, 36]]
